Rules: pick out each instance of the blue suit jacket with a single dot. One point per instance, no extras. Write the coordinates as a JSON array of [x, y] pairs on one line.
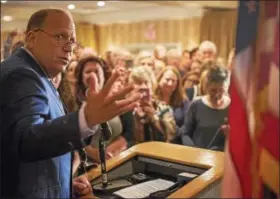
[[36, 135]]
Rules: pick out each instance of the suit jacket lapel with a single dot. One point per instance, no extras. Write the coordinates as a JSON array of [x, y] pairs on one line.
[[34, 65]]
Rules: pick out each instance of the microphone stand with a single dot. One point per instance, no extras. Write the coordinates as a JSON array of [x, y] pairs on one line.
[[105, 135], [217, 133], [105, 186]]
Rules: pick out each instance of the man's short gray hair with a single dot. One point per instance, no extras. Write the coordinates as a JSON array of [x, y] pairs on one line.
[[208, 45], [37, 19]]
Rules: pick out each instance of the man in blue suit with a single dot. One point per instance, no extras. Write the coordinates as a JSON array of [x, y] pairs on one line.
[[37, 137]]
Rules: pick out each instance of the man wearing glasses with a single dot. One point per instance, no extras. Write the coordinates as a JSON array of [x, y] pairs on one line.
[[37, 133]]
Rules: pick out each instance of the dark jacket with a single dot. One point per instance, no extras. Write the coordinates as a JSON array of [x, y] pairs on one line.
[[36, 135]]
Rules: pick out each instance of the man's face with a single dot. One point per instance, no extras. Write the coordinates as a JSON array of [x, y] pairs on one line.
[[208, 54], [45, 46]]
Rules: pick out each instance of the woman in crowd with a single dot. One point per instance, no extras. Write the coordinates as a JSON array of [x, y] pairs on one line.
[[206, 116], [70, 75], [171, 92], [121, 126], [196, 66], [145, 58], [195, 54], [185, 65], [195, 89], [67, 87], [153, 119], [189, 81], [198, 89]]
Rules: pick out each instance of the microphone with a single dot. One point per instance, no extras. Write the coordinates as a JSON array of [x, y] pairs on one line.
[[217, 133], [106, 133]]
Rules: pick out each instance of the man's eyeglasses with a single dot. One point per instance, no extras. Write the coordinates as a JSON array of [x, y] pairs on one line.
[[62, 40]]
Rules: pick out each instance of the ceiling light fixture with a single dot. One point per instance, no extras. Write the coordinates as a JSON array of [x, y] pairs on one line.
[[100, 3], [71, 6], [7, 18], [3, 1]]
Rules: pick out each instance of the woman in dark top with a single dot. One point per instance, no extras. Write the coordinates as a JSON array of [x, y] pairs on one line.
[[206, 116]]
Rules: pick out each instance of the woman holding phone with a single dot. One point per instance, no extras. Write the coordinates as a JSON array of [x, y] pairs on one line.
[[153, 120]]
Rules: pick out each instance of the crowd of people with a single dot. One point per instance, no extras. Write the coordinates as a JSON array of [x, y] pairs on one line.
[[184, 95]]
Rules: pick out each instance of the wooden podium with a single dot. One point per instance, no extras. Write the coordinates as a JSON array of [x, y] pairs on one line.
[[201, 186]]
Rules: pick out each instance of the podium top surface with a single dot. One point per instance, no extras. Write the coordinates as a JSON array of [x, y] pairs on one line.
[[202, 158]]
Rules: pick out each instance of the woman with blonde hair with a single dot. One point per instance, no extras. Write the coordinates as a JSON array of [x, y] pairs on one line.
[[153, 120]]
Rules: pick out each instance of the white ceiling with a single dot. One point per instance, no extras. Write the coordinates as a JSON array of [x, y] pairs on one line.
[[112, 12]]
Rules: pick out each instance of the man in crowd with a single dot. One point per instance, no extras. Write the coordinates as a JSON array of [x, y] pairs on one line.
[[173, 57], [208, 50]]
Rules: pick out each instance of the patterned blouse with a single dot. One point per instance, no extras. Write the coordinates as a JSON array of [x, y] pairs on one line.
[[163, 128]]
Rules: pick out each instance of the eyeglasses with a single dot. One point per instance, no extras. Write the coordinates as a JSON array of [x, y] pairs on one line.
[[62, 40]]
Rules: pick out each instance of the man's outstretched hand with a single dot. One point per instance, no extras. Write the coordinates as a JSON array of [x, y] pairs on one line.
[[101, 106]]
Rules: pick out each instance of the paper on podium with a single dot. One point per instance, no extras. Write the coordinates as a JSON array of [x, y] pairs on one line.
[[144, 189]]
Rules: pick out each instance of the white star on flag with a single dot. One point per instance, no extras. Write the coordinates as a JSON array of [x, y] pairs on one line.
[[251, 6]]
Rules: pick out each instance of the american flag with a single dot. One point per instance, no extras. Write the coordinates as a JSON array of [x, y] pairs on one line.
[[252, 153]]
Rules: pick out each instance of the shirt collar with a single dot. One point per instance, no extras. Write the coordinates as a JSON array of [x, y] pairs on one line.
[[224, 106]]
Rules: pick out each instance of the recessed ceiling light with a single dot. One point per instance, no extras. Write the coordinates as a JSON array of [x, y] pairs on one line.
[[100, 3], [71, 6], [3, 1], [7, 18]]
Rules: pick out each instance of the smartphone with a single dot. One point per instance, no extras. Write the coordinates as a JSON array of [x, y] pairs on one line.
[[146, 93], [129, 63]]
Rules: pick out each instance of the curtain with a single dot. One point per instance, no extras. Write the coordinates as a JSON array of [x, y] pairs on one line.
[[86, 35], [184, 31], [3, 38], [220, 27]]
